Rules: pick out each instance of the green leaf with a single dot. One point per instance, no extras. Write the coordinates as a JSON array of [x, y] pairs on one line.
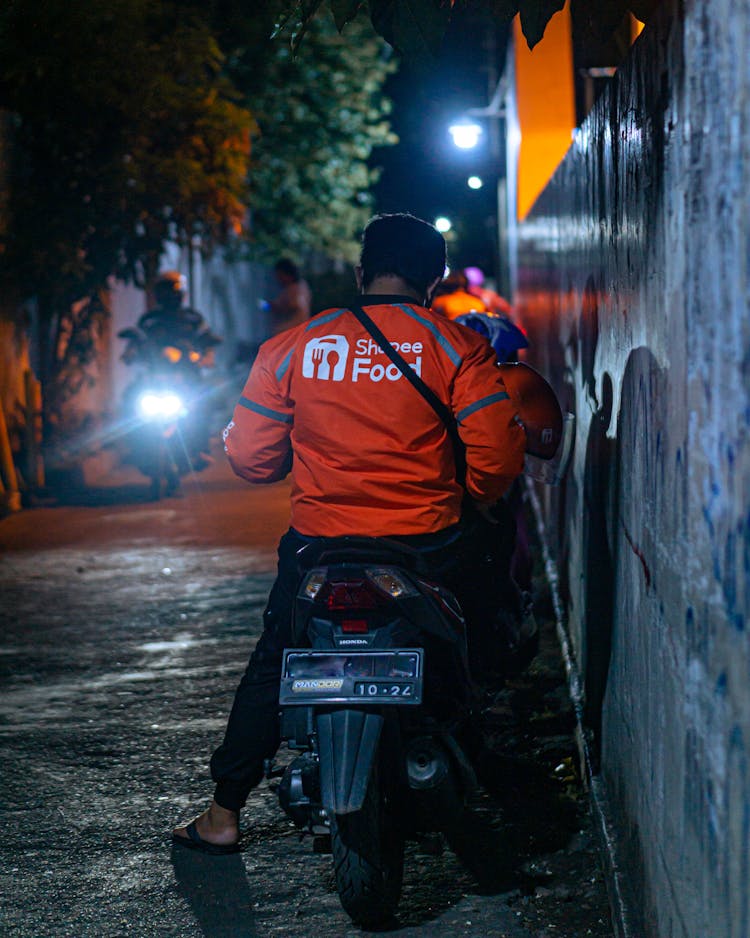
[[307, 11], [344, 11], [413, 27], [535, 14]]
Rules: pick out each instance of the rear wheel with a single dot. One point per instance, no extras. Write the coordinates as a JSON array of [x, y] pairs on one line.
[[368, 856]]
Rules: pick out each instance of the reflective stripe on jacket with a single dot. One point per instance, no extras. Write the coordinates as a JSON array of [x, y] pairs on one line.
[[371, 457]]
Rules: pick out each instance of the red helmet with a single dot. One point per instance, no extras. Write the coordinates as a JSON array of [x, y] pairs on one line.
[[538, 408]]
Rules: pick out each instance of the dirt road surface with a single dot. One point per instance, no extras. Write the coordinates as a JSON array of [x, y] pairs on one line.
[[124, 627]]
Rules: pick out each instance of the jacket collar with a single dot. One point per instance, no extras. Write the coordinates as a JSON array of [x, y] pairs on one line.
[[385, 299]]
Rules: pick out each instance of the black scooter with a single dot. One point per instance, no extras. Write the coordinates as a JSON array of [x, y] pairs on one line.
[[377, 699]]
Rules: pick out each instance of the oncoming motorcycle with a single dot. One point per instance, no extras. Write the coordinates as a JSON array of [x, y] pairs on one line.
[[164, 410]]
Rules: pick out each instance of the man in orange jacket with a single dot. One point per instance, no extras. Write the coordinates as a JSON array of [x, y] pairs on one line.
[[368, 456], [453, 298]]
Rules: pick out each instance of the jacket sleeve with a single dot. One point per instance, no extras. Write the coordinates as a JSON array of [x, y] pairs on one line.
[[257, 439], [487, 424]]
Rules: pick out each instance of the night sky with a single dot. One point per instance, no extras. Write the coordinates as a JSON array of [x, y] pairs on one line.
[[425, 173]]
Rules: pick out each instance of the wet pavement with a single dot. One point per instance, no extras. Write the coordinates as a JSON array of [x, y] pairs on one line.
[[124, 627]]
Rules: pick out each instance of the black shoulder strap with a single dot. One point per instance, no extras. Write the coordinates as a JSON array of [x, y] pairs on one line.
[[441, 409]]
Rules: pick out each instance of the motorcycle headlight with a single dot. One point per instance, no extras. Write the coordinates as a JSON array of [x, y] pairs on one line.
[[160, 405]]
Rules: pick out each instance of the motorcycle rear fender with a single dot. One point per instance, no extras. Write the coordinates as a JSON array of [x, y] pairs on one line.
[[347, 745]]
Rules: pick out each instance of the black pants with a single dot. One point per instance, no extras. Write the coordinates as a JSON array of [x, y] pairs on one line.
[[471, 559]]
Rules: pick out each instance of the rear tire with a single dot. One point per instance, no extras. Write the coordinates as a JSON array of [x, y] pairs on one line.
[[368, 856]]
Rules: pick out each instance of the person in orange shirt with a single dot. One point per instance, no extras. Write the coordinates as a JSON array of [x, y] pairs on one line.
[[453, 298], [368, 456], [492, 300]]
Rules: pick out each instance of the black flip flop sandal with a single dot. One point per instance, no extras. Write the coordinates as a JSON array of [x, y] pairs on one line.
[[196, 842]]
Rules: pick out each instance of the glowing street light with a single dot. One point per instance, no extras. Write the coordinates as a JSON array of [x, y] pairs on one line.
[[465, 134], [474, 182], [443, 224]]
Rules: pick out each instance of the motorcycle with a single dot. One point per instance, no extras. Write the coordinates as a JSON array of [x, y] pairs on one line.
[[377, 700], [163, 409], [377, 696]]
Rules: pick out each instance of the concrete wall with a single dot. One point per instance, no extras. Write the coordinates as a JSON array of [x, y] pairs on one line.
[[634, 284]]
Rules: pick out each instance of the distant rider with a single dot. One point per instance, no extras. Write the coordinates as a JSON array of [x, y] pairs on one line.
[[170, 323], [177, 337], [453, 298]]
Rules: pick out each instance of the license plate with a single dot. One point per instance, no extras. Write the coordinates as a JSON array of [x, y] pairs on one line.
[[378, 677]]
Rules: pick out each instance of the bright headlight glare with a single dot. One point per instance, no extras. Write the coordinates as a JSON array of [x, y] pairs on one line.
[[152, 404], [390, 581], [314, 582], [171, 405], [149, 404]]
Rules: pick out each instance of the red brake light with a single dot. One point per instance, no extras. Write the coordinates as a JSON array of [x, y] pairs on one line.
[[354, 625], [349, 594]]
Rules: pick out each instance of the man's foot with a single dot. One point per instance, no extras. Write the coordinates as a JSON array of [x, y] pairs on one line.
[[217, 827]]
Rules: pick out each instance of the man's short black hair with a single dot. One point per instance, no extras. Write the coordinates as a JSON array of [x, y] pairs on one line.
[[404, 246], [286, 266]]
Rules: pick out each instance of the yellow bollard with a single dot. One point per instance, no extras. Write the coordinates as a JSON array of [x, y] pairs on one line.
[[7, 469], [33, 430]]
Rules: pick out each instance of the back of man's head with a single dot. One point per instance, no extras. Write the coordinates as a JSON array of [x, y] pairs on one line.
[[404, 246], [287, 268], [169, 289]]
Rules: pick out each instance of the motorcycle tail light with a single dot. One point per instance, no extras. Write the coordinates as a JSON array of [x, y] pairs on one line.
[[391, 581], [314, 582], [355, 626], [350, 594]]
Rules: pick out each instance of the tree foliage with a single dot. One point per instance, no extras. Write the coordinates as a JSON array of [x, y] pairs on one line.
[[132, 136], [416, 27], [132, 125], [309, 177]]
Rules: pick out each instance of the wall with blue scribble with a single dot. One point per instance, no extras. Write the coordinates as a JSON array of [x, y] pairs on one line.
[[634, 283]]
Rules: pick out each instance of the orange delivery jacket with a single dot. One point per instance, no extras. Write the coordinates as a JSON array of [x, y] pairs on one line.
[[458, 303], [368, 455]]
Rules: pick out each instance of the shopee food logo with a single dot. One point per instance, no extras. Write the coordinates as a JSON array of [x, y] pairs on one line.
[[320, 352], [326, 358]]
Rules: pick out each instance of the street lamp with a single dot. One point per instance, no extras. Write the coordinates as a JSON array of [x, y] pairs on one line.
[[465, 134], [443, 224]]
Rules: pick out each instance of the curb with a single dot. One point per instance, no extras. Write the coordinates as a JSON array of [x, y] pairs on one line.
[[625, 921]]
